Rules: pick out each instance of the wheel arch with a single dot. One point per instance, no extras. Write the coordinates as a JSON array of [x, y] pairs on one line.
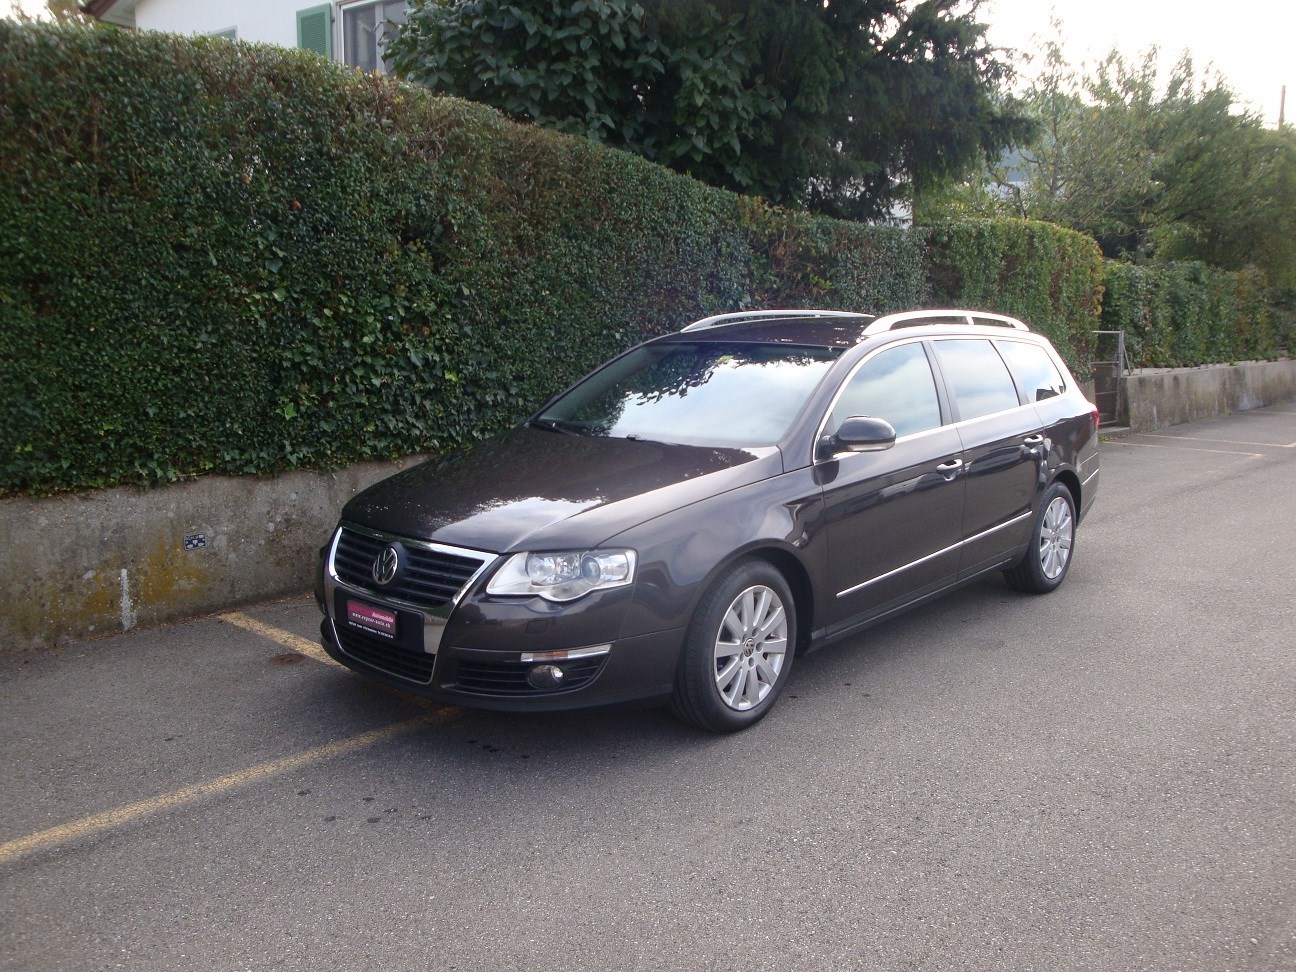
[[1071, 481], [794, 572]]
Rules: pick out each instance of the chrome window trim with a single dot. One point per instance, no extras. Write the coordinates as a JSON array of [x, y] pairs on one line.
[[434, 619], [922, 560], [823, 423]]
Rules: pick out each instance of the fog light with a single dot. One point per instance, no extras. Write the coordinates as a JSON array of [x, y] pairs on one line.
[[545, 676]]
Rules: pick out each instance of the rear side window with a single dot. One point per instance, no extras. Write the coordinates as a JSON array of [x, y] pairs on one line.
[[978, 377], [1034, 370], [896, 385]]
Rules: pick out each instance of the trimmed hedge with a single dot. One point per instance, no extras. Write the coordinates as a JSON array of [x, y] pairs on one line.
[[223, 257], [1049, 276], [1178, 315]]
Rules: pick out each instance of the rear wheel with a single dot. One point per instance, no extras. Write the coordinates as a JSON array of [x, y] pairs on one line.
[[738, 651], [1046, 562]]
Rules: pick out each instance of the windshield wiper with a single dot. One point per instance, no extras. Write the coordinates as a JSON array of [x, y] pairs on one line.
[[552, 425]]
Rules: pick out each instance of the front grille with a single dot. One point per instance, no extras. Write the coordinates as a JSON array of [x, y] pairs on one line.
[[428, 578], [509, 678], [387, 656]]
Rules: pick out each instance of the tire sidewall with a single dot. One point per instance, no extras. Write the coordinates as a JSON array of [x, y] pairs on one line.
[[697, 665], [1042, 581]]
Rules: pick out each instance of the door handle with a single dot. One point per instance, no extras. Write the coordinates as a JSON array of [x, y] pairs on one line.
[[1033, 440], [949, 469]]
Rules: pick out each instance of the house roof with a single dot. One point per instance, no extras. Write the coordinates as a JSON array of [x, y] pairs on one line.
[[113, 11]]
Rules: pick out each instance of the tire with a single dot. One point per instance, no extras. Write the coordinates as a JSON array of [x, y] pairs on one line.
[[723, 690], [1046, 563]]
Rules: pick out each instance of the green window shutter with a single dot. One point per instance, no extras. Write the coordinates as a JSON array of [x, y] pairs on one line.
[[315, 29]]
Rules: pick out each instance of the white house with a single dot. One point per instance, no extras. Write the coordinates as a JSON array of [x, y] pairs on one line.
[[353, 31]]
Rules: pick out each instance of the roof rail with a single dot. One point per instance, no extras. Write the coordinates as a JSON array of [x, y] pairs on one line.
[[738, 317], [917, 318]]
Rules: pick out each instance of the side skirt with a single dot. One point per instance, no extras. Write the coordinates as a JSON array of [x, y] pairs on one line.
[[826, 636]]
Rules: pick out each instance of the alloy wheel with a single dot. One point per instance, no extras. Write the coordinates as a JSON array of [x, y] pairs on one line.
[[1056, 534], [751, 647]]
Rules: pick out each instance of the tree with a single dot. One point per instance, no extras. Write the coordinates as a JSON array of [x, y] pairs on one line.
[[1172, 171], [842, 106]]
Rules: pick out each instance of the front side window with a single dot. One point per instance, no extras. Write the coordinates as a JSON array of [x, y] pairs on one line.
[[978, 377], [1033, 369], [704, 393], [367, 30], [895, 385]]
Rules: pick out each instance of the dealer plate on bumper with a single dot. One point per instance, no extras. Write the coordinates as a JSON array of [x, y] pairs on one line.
[[371, 620]]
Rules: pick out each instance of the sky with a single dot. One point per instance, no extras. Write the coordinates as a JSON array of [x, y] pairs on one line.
[[1251, 42]]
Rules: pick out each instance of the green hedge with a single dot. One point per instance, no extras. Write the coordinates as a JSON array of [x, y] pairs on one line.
[[223, 257], [1047, 275], [1184, 314]]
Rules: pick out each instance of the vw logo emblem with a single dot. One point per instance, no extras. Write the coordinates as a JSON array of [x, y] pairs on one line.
[[386, 564]]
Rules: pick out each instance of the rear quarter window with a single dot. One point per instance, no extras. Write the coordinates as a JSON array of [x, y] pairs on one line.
[[1036, 374]]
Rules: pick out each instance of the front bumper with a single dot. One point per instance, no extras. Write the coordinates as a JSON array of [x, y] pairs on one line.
[[638, 669]]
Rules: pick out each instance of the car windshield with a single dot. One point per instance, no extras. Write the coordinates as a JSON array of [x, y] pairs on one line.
[[703, 393]]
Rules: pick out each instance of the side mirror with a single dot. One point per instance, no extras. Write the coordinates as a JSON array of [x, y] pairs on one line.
[[859, 433]]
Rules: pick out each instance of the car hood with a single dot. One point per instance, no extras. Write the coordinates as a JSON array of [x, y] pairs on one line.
[[535, 489]]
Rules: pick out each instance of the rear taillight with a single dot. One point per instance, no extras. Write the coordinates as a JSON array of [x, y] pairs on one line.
[[1096, 416]]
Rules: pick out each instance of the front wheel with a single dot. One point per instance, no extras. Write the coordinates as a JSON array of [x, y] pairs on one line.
[[738, 651], [1046, 562]]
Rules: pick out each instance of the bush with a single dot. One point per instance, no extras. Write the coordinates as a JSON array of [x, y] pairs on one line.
[[1184, 314], [235, 258]]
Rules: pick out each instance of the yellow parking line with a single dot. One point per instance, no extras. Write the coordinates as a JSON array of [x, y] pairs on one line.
[[100, 822], [1155, 445], [311, 650], [286, 638], [1202, 438]]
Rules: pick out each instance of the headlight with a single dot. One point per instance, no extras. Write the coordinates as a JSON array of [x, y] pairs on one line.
[[564, 575]]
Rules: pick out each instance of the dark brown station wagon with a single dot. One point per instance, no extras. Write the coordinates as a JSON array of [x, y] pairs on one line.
[[689, 519]]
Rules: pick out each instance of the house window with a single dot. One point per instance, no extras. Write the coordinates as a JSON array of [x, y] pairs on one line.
[[366, 31]]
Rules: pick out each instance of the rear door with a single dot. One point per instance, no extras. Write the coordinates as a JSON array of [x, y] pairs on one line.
[[1002, 443]]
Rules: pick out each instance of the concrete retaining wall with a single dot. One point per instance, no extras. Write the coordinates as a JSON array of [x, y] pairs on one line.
[[1158, 397], [86, 564]]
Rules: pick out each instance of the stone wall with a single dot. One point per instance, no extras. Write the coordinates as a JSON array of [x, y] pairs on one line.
[[1158, 397], [86, 564]]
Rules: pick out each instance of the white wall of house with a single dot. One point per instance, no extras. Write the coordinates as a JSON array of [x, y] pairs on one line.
[[354, 31], [271, 21]]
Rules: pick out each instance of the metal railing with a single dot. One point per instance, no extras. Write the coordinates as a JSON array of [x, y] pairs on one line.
[[1109, 370]]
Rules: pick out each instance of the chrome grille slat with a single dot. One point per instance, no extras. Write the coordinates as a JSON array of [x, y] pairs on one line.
[[429, 578]]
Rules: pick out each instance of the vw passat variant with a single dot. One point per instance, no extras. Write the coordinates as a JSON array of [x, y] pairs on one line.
[[684, 523]]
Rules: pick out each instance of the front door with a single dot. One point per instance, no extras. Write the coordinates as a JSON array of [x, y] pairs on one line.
[[893, 518]]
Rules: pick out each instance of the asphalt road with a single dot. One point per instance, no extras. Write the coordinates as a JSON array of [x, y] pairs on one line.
[[1103, 778]]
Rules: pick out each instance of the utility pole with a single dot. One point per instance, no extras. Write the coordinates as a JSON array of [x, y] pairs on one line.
[[1282, 108]]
